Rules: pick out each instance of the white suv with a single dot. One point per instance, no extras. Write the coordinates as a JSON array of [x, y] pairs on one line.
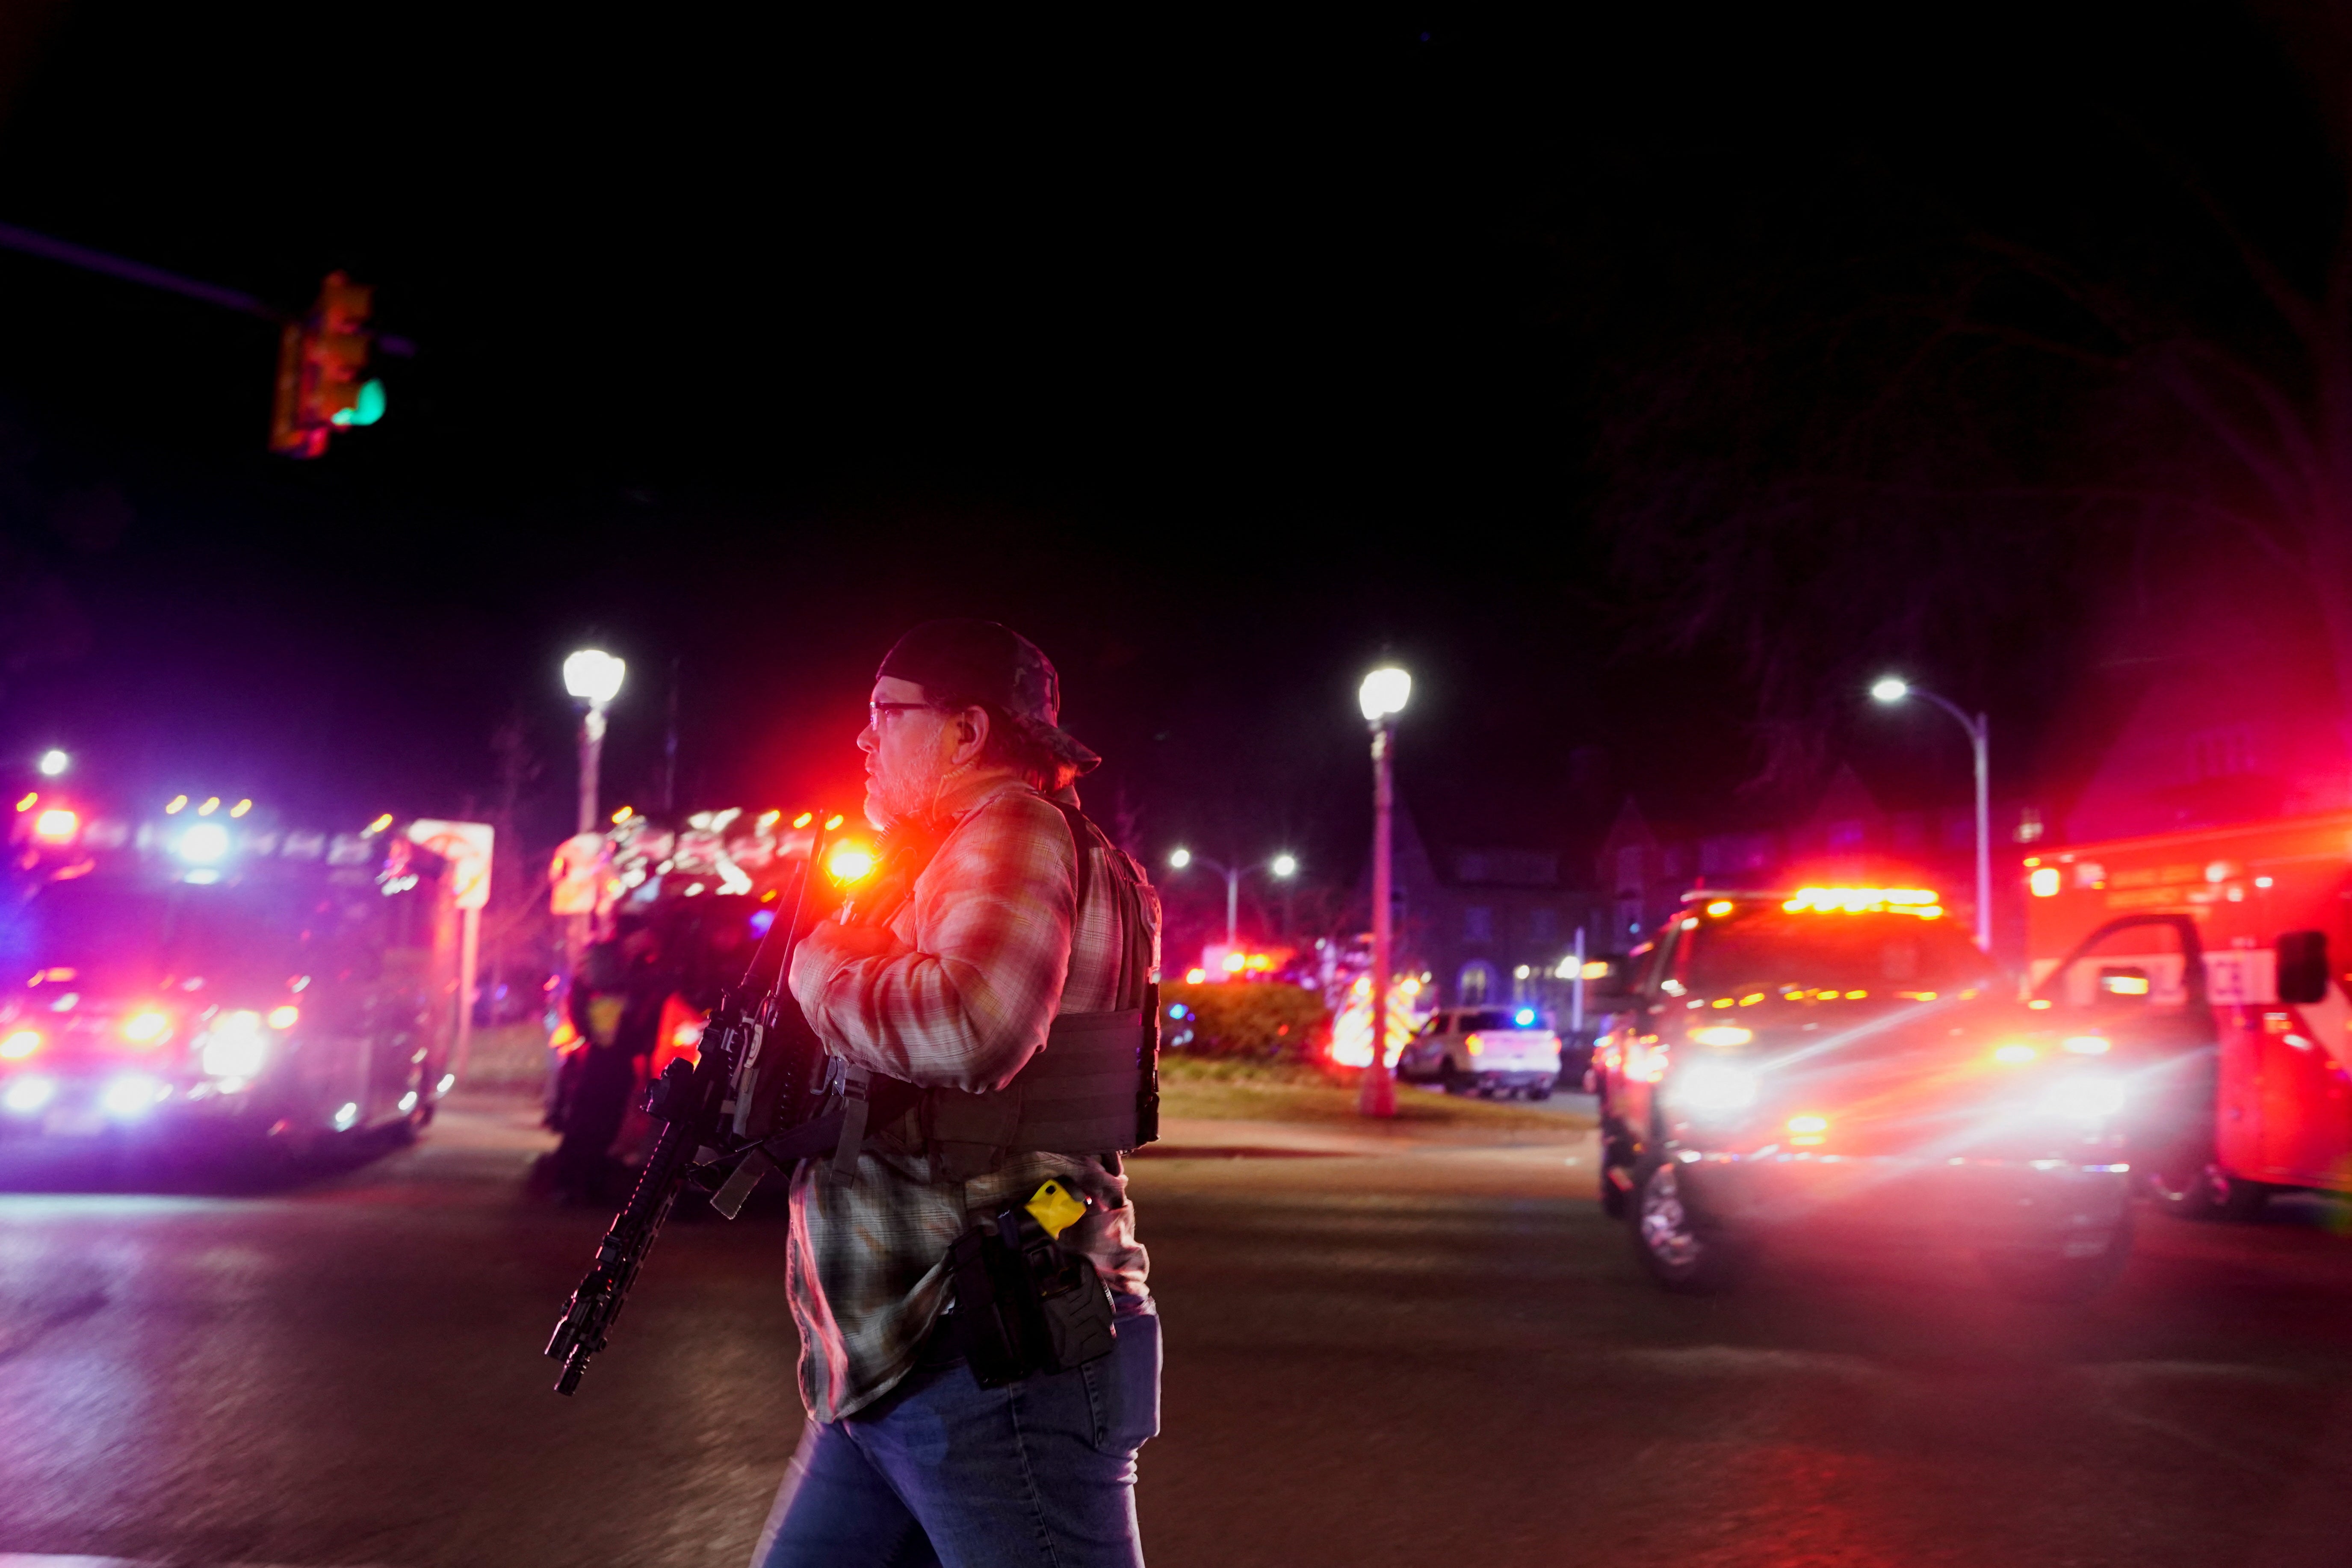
[[1484, 1050]]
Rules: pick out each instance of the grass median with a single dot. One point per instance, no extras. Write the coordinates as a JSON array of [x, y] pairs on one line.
[[512, 1059], [507, 1058], [1276, 1091]]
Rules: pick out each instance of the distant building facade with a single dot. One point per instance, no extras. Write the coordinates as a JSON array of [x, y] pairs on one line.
[[1488, 925]]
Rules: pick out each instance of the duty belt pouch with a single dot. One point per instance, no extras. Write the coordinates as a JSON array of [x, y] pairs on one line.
[[1022, 1305], [968, 1134]]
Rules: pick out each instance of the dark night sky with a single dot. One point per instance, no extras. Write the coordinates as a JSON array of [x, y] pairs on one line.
[[1219, 361]]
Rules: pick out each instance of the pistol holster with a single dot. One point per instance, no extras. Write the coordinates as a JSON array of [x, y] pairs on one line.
[[1022, 1304]]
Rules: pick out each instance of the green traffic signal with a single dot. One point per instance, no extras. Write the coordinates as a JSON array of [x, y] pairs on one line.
[[367, 408]]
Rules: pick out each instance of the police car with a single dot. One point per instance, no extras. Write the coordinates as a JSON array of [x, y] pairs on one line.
[[1501, 1051], [1847, 1057]]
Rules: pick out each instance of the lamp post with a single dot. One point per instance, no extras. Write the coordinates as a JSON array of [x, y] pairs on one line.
[[1382, 697], [594, 678], [1286, 867], [1894, 689], [1281, 866]]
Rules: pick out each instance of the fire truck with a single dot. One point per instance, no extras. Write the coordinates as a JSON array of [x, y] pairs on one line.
[[210, 981], [2225, 950]]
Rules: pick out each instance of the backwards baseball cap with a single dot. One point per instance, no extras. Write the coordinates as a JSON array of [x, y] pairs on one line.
[[958, 663]]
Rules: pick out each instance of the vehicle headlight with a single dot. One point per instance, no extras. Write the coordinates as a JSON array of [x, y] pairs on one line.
[[147, 1027], [1714, 1088], [19, 1044], [131, 1094], [28, 1092], [234, 1048], [2087, 1097], [1722, 1035]]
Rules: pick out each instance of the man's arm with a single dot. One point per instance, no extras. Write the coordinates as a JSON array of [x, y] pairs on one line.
[[970, 1001]]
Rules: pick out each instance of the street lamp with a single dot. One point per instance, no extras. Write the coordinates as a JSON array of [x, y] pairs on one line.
[[594, 678], [54, 762], [1281, 866], [1894, 689], [1382, 697]]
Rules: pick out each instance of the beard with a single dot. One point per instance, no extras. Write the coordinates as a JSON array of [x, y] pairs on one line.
[[892, 797]]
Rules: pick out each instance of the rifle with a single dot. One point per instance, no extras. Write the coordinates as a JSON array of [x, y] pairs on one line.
[[759, 1095]]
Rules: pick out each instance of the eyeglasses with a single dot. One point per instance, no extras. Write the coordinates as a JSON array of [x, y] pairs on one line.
[[878, 711]]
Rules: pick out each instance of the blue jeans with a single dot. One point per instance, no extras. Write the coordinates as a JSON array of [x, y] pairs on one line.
[[942, 1471]]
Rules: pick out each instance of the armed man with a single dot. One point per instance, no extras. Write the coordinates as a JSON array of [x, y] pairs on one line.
[[979, 1356]]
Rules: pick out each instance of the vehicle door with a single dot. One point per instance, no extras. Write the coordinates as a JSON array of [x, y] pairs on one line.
[[1427, 1045], [406, 1002], [343, 947], [2304, 1108], [2299, 1037], [2139, 983]]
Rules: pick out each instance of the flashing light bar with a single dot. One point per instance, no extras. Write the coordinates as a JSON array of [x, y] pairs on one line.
[[1920, 901]]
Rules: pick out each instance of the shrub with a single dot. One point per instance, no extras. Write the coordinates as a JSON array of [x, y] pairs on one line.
[[1264, 1019]]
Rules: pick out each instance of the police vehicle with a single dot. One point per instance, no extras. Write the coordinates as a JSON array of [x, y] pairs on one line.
[[200, 984], [1846, 1057], [1484, 1050]]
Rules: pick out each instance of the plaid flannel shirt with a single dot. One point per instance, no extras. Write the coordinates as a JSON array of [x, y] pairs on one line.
[[984, 951]]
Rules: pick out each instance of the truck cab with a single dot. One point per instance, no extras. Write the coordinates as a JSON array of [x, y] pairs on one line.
[[1837, 1056]]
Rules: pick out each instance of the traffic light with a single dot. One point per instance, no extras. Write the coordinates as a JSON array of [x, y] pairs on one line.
[[320, 362]]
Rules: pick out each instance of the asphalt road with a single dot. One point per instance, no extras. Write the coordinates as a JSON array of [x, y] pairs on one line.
[[1437, 1353]]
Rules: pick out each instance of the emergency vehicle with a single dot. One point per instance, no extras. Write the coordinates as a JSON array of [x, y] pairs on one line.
[[2227, 948], [1500, 1051], [1846, 1058], [711, 886], [205, 982]]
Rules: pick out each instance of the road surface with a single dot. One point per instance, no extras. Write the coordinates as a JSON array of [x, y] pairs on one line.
[[1382, 1350]]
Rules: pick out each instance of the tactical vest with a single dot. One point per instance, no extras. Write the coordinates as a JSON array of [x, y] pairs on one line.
[[1093, 1091]]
